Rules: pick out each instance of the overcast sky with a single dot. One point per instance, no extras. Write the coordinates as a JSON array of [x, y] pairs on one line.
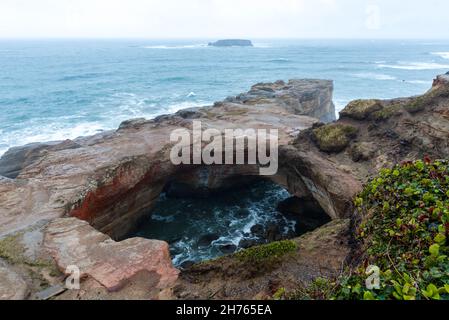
[[224, 18]]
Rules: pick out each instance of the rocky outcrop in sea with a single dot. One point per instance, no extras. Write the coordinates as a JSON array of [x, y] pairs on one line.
[[231, 43]]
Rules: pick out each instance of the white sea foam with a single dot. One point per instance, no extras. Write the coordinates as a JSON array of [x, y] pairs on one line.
[[415, 66], [444, 55], [47, 131], [279, 60], [127, 106], [340, 104], [375, 76], [419, 82]]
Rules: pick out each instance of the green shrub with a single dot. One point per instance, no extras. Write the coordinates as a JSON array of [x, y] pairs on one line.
[[404, 231]]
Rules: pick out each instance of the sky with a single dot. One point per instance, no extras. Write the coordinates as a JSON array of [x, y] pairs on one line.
[[420, 19]]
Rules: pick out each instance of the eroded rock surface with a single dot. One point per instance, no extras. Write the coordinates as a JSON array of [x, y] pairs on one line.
[[109, 179], [112, 179], [73, 242], [12, 285]]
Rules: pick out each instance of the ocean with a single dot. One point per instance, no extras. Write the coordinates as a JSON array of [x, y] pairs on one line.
[[59, 89]]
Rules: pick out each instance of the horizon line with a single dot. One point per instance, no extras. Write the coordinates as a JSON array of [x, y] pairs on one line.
[[219, 38]]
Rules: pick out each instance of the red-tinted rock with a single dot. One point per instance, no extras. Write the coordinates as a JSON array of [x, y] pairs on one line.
[[72, 242]]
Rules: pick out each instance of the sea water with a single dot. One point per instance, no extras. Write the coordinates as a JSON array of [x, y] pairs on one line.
[[200, 229], [61, 89]]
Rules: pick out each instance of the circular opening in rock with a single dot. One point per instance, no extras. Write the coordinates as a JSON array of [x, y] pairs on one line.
[[200, 228]]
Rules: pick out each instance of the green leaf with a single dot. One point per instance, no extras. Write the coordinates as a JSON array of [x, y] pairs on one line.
[[368, 295], [446, 287], [431, 292], [440, 239], [434, 250], [397, 296]]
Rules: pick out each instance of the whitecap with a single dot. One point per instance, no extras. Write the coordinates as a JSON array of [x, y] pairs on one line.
[[279, 60], [418, 82], [416, 66], [444, 55], [375, 76], [41, 131], [191, 94]]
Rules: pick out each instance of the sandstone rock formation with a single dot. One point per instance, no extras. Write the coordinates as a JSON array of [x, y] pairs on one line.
[[307, 97], [110, 179], [73, 242]]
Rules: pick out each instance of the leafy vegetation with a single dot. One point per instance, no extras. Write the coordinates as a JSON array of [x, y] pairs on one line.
[[404, 232], [334, 137]]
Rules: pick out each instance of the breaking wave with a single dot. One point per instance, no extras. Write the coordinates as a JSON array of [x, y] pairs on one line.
[[416, 66]]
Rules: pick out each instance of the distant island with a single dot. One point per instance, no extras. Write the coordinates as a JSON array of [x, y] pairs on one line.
[[232, 43]]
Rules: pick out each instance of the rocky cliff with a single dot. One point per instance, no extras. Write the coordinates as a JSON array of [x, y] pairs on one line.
[[106, 180], [111, 179]]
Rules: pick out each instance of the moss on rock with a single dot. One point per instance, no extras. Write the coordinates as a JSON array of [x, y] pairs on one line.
[[361, 109], [420, 103], [12, 249], [334, 137], [386, 112], [266, 253]]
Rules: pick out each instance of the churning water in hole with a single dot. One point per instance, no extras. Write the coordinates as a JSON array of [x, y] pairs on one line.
[[203, 229]]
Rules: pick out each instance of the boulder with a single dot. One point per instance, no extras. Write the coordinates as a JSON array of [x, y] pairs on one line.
[[207, 239], [72, 242], [228, 248]]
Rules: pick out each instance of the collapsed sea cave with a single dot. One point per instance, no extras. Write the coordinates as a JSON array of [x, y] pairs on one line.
[[201, 225]]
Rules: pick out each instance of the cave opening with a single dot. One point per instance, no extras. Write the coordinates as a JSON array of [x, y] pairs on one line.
[[201, 226]]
